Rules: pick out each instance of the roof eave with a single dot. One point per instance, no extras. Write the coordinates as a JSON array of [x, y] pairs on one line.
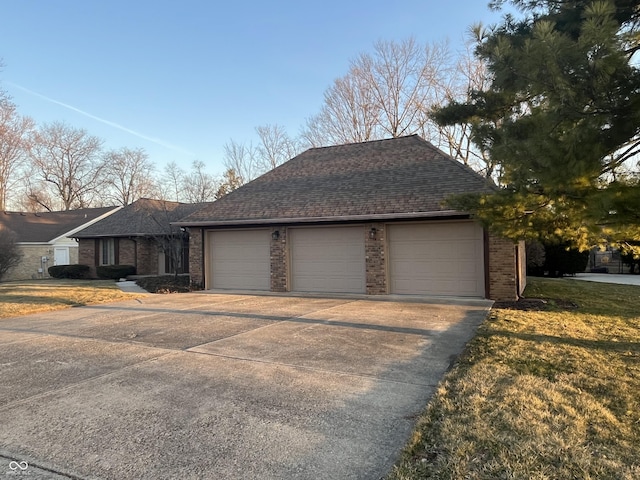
[[328, 219]]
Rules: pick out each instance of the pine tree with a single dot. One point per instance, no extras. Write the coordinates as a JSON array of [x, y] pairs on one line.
[[562, 120]]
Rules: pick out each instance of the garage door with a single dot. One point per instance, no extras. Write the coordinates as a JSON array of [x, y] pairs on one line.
[[437, 259], [239, 259], [328, 259]]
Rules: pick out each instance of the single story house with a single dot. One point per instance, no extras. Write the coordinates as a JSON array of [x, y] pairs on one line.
[[358, 218], [46, 238], [139, 234]]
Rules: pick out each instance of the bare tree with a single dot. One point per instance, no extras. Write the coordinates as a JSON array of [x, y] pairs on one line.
[[242, 159], [14, 131], [171, 183], [129, 175], [10, 254], [67, 160], [470, 74], [404, 78], [275, 148], [198, 185], [385, 94], [349, 113]]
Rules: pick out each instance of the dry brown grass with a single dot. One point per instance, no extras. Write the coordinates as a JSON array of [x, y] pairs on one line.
[[25, 297], [540, 394]]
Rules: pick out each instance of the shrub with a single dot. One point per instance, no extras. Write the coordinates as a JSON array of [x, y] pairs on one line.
[[69, 271], [535, 258], [165, 284], [115, 271], [559, 260]]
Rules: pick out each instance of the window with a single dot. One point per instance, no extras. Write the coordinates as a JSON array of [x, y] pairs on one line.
[[107, 251]]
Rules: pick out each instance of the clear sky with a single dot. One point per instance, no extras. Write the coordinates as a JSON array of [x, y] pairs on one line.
[[181, 78]]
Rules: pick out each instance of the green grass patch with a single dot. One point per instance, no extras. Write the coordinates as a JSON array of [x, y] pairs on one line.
[[550, 393], [25, 297]]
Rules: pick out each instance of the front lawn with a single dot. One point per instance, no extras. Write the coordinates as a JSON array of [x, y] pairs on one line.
[[25, 297], [552, 392]]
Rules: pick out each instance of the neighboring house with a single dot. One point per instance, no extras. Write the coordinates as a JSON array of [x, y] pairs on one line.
[[46, 238], [139, 234], [358, 218]]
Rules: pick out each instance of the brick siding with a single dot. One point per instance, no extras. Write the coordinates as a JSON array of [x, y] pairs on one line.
[[279, 260], [31, 262], [374, 251], [502, 268], [196, 257]]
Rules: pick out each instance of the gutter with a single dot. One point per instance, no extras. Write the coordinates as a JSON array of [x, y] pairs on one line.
[[332, 219]]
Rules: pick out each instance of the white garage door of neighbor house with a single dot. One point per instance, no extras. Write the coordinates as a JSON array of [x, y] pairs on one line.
[[436, 259], [240, 259], [328, 259]]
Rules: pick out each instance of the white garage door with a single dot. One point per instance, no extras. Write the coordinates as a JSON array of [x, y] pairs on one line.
[[328, 259], [437, 259], [240, 259]]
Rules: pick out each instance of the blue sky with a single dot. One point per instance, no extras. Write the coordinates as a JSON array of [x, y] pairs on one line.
[[182, 78]]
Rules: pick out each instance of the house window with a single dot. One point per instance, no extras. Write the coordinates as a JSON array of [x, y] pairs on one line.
[[107, 251]]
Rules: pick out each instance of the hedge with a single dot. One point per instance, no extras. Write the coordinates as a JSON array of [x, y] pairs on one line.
[[69, 271], [115, 272]]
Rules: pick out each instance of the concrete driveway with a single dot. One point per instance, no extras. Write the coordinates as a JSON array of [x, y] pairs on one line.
[[222, 386]]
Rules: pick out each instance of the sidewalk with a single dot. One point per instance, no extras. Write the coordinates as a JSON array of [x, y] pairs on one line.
[[130, 286], [620, 279]]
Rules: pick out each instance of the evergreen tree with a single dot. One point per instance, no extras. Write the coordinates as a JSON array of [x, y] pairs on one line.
[[561, 118]]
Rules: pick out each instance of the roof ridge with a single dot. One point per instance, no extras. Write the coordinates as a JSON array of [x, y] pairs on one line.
[[366, 142]]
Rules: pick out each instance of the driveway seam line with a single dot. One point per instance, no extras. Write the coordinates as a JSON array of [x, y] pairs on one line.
[[315, 369], [274, 322], [10, 405]]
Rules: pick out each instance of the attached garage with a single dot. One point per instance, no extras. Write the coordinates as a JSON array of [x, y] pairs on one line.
[[329, 259], [367, 217], [436, 259], [239, 259]]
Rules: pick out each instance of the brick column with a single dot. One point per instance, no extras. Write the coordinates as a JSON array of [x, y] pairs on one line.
[[196, 257], [376, 265], [279, 260], [502, 268], [87, 254]]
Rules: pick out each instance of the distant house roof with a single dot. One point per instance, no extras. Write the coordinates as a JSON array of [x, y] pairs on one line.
[[143, 217], [394, 178], [45, 227]]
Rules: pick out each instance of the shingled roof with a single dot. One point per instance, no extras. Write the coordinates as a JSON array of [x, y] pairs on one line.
[[45, 227], [144, 217], [400, 177]]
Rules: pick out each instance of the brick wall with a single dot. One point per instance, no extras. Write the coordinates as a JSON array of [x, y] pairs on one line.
[[279, 260], [147, 256], [374, 251], [31, 262], [196, 257], [87, 254], [126, 251], [502, 268]]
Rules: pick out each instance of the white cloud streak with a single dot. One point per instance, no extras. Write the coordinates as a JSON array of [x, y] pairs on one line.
[[157, 141]]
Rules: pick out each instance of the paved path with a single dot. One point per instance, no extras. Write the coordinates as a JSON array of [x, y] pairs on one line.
[[221, 386], [130, 286], [609, 278]]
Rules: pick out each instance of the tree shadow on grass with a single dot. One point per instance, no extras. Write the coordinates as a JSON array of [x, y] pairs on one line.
[[603, 345]]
